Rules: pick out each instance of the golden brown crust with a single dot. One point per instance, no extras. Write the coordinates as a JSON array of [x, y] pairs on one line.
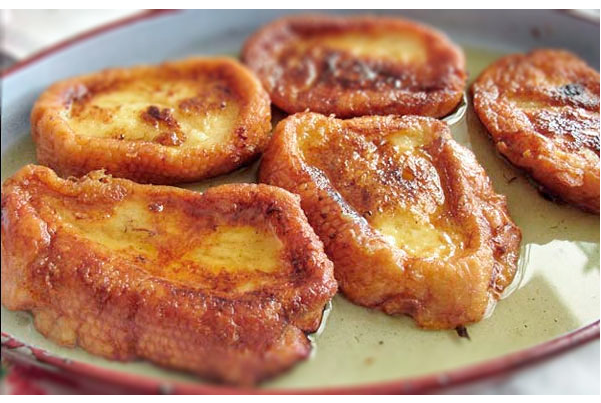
[[143, 299], [352, 178], [542, 112], [162, 130], [302, 70]]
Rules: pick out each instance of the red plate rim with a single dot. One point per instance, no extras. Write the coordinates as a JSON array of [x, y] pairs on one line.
[[420, 384]]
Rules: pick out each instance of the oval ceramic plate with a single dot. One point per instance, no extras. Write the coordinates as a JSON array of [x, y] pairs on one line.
[[554, 305]]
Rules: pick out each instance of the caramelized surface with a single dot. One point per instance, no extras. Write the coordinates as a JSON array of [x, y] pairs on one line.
[[407, 215], [354, 66], [542, 112], [222, 283], [177, 122], [390, 182]]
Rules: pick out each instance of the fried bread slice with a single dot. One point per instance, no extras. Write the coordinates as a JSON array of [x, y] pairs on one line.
[[407, 215], [176, 122], [355, 66], [542, 112], [224, 284]]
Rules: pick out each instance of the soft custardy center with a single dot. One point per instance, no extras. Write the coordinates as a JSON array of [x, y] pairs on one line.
[[417, 235], [128, 228], [185, 112], [237, 249], [405, 48], [168, 244]]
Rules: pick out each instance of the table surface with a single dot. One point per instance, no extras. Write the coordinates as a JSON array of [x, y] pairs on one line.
[[575, 372]]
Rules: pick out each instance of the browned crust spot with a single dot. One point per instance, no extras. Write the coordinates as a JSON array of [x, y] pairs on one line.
[[542, 112], [333, 81], [164, 120], [122, 306]]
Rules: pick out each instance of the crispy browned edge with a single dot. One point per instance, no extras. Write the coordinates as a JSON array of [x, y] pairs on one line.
[[257, 53], [81, 294], [68, 153], [524, 148], [358, 252]]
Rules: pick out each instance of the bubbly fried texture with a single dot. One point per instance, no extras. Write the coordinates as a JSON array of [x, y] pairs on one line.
[[407, 215], [355, 66], [177, 122], [223, 284], [542, 112]]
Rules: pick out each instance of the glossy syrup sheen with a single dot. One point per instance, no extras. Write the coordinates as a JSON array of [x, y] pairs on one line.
[[558, 291]]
